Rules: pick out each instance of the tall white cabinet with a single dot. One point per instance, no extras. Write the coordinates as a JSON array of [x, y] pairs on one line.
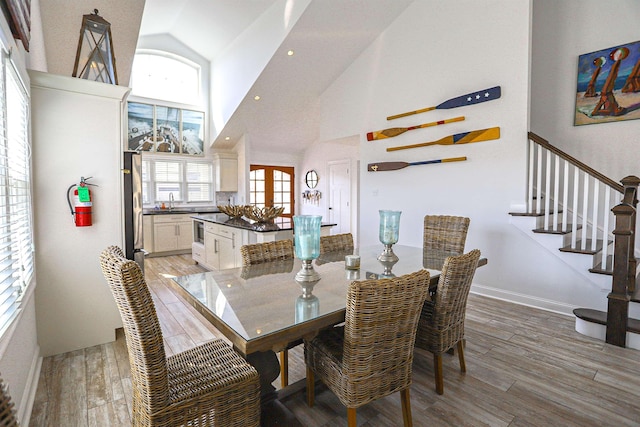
[[76, 132]]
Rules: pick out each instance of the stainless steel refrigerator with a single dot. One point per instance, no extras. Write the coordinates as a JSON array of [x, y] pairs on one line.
[[134, 239]]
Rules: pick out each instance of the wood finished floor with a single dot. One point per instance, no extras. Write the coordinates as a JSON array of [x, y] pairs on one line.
[[525, 367]]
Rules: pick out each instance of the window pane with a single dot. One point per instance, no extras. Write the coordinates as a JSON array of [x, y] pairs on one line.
[[16, 235], [165, 77], [199, 192], [199, 172], [168, 171], [165, 188]]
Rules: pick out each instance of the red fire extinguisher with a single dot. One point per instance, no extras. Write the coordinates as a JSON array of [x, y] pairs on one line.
[[81, 208]]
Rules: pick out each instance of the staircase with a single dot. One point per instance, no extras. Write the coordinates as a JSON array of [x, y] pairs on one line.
[[587, 220]]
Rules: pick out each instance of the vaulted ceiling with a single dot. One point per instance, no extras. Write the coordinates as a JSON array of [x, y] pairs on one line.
[[326, 39]]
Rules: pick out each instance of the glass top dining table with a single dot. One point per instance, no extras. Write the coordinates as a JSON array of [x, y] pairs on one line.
[[263, 308]]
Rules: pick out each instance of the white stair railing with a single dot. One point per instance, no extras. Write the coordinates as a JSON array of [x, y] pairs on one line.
[[572, 197]]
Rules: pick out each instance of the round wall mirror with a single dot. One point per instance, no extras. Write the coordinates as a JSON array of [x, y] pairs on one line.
[[311, 178]]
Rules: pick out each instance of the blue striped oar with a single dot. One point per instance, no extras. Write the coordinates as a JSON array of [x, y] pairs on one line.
[[458, 138], [459, 101], [392, 166]]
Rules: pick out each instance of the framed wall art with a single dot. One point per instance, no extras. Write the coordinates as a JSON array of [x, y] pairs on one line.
[[163, 129], [140, 126], [608, 88], [192, 132]]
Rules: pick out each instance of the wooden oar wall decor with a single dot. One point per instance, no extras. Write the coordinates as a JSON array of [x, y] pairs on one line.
[[392, 166], [391, 132], [459, 101], [458, 138]]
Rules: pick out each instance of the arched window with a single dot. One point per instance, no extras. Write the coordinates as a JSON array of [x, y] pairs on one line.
[[161, 75]]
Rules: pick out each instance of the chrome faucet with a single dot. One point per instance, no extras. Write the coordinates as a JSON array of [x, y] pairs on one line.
[[171, 200]]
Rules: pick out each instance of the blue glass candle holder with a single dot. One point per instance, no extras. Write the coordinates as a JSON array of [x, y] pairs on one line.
[[306, 231], [389, 233]]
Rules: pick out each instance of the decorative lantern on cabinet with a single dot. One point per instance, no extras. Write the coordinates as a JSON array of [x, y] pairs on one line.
[[94, 58]]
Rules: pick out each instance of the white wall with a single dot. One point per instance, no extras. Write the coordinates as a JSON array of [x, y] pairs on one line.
[[561, 32], [317, 157], [76, 131], [434, 51]]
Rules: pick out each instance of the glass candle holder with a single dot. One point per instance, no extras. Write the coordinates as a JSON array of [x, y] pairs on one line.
[[307, 304], [306, 230], [389, 233]]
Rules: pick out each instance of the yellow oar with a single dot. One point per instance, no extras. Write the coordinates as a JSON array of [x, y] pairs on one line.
[[458, 138], [391, 132]]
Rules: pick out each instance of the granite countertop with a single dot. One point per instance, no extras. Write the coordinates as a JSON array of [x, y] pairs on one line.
[[182, 210], [277, 225]]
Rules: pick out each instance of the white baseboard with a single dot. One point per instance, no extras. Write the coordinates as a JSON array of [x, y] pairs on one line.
[[29, 395], [522, 299]]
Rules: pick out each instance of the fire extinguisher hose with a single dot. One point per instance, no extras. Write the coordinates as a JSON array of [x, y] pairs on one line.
[[69, 199]]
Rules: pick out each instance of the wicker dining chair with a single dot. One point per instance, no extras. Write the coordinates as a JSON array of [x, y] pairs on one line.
[[443, 236], [7, 411], [209, 385], [260, 253], [445, 233], [336, 243], [441, 325], [370, 356]]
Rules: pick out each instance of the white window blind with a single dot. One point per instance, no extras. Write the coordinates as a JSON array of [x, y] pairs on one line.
[[16, 235], [190, 182], [199, 181]]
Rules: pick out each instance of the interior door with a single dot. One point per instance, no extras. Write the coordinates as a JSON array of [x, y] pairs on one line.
[[340, 196], [272, 186]]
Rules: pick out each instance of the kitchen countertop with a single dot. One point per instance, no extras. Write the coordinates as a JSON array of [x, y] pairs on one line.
[[181, 210], [278, 225]]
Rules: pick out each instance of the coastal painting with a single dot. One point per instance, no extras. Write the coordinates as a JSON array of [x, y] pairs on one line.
[[163, 129], [167, 129], [192, 132], [608, 87], [140, 127]]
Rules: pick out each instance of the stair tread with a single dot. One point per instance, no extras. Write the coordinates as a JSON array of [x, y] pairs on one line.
[[530, 213], [600, 317], [599, 270], [587, 251], [552, 231]]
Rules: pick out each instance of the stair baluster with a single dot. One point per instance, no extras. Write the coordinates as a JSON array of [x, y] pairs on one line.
[[578, 203]]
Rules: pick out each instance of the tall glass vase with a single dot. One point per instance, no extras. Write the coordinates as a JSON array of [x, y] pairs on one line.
[[306, 231], [389, 233]]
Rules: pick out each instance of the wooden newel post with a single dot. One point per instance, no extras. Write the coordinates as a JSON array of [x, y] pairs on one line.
[[630, 184], [623, 259]]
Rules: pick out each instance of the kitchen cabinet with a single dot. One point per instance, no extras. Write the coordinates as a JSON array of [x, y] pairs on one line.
[[226, 166], [222, 246], [172, 233]]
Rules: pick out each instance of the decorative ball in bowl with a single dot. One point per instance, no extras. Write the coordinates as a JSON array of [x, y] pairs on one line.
[[233, 211], [266, 214]]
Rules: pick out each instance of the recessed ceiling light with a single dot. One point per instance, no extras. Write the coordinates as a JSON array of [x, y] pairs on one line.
[[290, 53], [257, 97], [226, 138]]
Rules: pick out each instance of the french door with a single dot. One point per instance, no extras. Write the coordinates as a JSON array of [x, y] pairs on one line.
[[272, 186]]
